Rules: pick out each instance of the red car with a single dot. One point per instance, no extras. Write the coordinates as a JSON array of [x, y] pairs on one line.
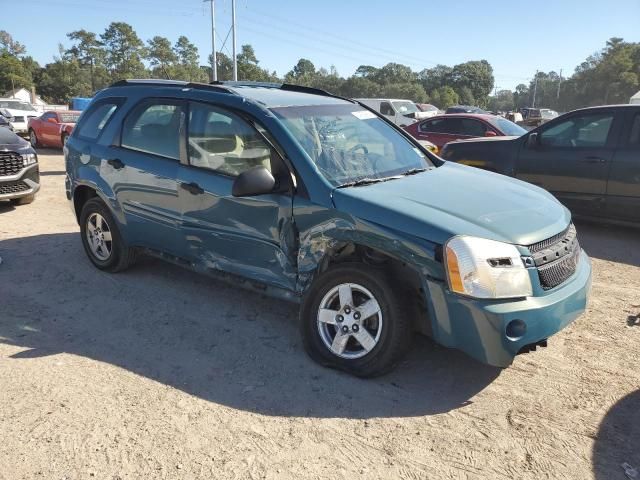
[[443, 129], [51, 129]]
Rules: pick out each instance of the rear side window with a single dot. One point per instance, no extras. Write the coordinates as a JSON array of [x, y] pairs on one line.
[[154, 127], [386, 109], [96, 118]]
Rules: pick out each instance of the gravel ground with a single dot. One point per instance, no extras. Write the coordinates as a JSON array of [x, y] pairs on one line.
[[160, 373]]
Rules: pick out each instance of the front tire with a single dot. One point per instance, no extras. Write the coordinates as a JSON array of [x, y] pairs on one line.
[[33, 139], [101, 238], [353, 319]]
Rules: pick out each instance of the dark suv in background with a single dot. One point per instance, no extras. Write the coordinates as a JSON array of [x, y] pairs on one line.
[[19, 175], [589, 159]]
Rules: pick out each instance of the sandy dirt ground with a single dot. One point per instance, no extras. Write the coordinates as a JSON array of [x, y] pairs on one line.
[[159, 373]]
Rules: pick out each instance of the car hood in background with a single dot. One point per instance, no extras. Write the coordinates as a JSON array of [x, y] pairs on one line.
[[11, 141], [458, 200]]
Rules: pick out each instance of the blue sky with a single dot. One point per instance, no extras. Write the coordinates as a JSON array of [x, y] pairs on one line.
[[515, 37]]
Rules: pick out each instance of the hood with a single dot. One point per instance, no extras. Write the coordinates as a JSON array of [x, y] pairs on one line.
[[21, 113], [458, 200], [11, 141]]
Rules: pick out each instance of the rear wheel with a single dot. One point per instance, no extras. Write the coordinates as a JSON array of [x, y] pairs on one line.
[[101, 238], [64, 138], [33, 139], [353, 319]]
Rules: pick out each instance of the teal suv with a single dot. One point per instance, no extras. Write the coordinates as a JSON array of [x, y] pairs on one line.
[[296, 193]]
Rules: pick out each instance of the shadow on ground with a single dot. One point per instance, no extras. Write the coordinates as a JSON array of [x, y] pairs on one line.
[[618, 438], [211, 340], [607, 242]]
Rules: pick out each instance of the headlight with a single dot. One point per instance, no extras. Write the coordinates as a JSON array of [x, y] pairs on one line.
[[29, 159], [483, 268]]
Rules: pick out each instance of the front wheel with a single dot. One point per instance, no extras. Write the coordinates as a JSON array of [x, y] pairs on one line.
[[353, 319], [101, 238], [33, 139]]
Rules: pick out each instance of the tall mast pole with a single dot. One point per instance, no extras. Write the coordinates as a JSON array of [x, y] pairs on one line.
[[233, 26]]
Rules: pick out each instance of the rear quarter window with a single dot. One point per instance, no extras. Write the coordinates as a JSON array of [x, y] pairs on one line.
[[97, 117]]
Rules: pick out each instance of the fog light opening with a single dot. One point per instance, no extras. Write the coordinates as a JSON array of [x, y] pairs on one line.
[[516, 329]]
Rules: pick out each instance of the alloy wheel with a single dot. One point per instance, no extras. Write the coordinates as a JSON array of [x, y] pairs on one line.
[[99, 237], [349, 321]]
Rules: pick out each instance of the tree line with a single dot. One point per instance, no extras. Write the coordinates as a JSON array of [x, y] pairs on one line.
[[94, 61]]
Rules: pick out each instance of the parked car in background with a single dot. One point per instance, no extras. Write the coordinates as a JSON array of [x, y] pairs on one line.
[[443, 129], [464, 109], [534, 117], [19, 175], [430, 110], [400, 112], [18, 113], [52, 128], [297, 193], [589, 159]]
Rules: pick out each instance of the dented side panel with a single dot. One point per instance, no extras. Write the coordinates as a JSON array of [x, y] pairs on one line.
[[323, 231]]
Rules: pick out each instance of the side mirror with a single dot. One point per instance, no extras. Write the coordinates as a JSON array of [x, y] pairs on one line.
[[533, 141], [490, 133], [255, 181], [52, 120]]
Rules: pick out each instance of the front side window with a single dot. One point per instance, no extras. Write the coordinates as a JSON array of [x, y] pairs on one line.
[[154, 127], [472, 128], [579, 131], [222, 141], [96, 118], [441, 125], [348, 144], [386, 109]]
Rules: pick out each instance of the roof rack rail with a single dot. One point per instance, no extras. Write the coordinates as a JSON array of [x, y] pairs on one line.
[[142, 82], [289, 87]]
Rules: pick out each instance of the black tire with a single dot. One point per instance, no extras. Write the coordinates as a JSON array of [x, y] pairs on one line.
[[24, 200], [121, 257], [394, 340], [33, 138], [64, 138]]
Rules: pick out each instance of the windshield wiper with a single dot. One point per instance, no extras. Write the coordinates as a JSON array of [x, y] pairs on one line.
[[365, 181], [413, 171]]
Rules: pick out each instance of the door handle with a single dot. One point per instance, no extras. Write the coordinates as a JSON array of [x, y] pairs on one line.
[[116, 163], [193, 188], [594, 159]]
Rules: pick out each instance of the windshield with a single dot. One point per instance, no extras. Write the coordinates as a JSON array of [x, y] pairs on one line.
[[509, 128], [69, 117], [349, 144], [16, 105], [405, 107]]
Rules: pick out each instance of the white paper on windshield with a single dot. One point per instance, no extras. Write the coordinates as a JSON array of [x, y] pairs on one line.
[[364, 115]]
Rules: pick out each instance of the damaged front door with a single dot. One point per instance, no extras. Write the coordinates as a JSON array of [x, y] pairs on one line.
[[249, 236]]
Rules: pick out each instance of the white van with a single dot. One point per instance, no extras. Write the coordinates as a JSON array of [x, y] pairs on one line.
[[400, 112]]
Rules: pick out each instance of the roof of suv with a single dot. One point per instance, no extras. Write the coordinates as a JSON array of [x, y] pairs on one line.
[[269, 95]]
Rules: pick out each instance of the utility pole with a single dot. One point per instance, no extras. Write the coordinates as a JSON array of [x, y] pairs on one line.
[[214, 61], [535, 88], [233, 26], [559, 83]]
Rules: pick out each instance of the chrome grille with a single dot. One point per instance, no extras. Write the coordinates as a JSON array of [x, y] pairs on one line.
[[10, 163], [556, 257]]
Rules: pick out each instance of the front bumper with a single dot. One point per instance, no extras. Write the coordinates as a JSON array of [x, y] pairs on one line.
[[478, 327], [20, 128], [24, 183]]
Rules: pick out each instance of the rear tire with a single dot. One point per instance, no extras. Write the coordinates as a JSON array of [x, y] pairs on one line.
[[24, 200], [367, 333], [101, 238], [64, 138]]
